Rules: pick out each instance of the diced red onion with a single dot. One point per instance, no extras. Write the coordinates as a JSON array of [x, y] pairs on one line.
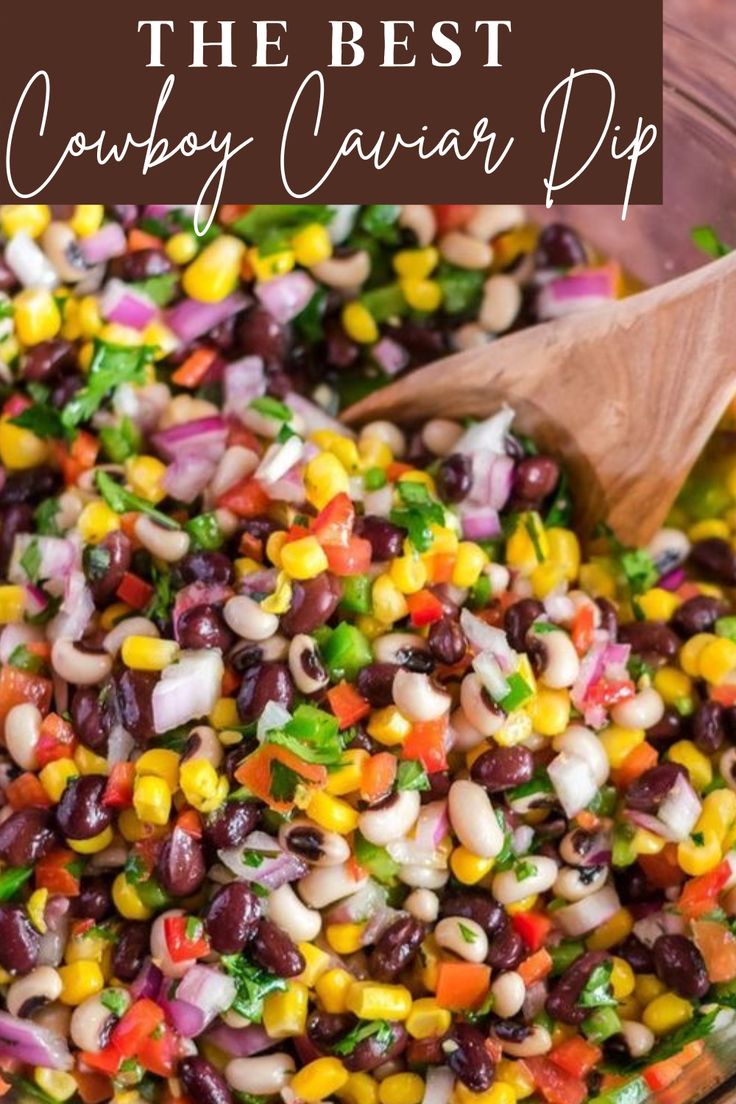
[[188, 477], [489, 672], [279, 459], [380, 502], [589, 913], [290, 488], [649, 928], [286, 296], [190, 318], [260, 582], [75, 611], [119, 745], [197, 594], [16, 635], [432, 825], [204, 437], [488, 435], [534, 1001], [186, 1019], [382, 919], [480, 522], [143, 405], [160, 210], [108, 242], [438, 1085], [188, 689], [313, 415], [57, 559], [241, 1042], [147, 982], [244, 380], [273, 718], [359, 906], [680, 809], [276, 868], [29, 262], [390, 357], [121, 303], [673, 580], [33, 1044], [573, 782], [208, 990], [586, 289], [485, 638]]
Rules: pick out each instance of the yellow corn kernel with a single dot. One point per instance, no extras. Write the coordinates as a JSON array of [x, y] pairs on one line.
[[79, 981], [89, 318], [444, 541], [667, 1013], [346, 779], [613, 931], [370, 1001], [564, 549], [201, 785], [374, 453], [359, 324], [526, 904], [304, 558], [717, 660], [700, 853], [285, 1013], [469, 868], [709, 527], [267, 265], [127, 902], [96, 521], [160, 763], [421, 295], [345, 938], [546, 578], [549, 711], [597, 580], [389, 726], [402, 1088], [619, 742], [658, 604], [148, 653], [152, 799], [469, 563], [360, 1088], [344, 448], [12, 604], [415, 264], [499, 1093], [214, 273], [370, 627], [87, 219], [332, 989], [521, 550], [516, 728], [35, 907], [427, 1019], [145, 475], [84, 947], [673, 685], [622, 978], [224, 714], [312, 245], [408, 574], [37, 317], [691, 651], [629, 1009], [317, 963], [325, 477], [55, 1083], [133, 829], [55, 776], [332, 813], [162, 340], [647, 987], [91, 846], [113, 614], [695, 763], [389, 603], [182, 248], [280, 601], [318, 1080], [719, 813], [514, 1074], [26, 218], [20, 448], [647, 843], [246, 566]]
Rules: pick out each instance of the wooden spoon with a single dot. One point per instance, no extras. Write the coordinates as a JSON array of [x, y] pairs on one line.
[[626, 395]]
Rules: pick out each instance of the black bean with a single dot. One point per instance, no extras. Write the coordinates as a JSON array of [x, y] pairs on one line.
[[455, 477], [232, 918], [375, 1050], [204, 627], [324, 1029], [95, 899], [500, 768], [13, 519], [385, 538], [231, 824], [19, 940], [562, 1001], [259, 334], [697, 615], [637, 954], [396, 949], [511, 1031], [519, 619], [140, 265], [29, 485], [65, 389], [679, 964], [47, 360], [633, 886], [670, 728], [267, 682], [650, 789], [423, 341], [180, 866], [205, 567], [92, 716], [650, 638], [375, 683], [133, 694], [446, 641], [708, 728], [80, 813], [26, 836], [468, 1057], [506, 948], [716, 559], [475, 905], [274, 950], [535, 477], [559, 247], [201, 1080], [439, 787], [313, 602], [131, 949], [105, 565]]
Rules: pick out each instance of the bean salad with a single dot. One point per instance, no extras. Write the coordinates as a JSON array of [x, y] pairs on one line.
[[333, 768]]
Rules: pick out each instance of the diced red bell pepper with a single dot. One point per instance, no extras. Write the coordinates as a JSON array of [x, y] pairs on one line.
[[555, 1084], [609, 692], [717, 945], [424, 608], [377, 776], [26, 792], [134, 591], [255, 773], [56, 740], [119, 788], [663, 870], [246, 499], [18, 686], [334, 523], [583, 627], [576, 1056], [354, 558], [347, 704], [535, 967], [700, 895], [138, 1022], [158, 1054], [102, 1061], [451, 216], [426, 742], [56, 872], [533, 927], [182, 946]]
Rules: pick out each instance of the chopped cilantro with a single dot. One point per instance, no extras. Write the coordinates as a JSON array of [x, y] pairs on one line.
[[42, 420], [30, 561], [271, 408], [462, 288], [468, 935], [284, 781], [379, 220], [45, 516], [115, 1000], [24, 660], [417, 513], [639, 668], [253, 984], [121, 501], [524, 870], [596, 992], [12, 879], [159, 606], [111, 365], [411, 775], [205, 532], [381, 1029], [530, 524], [312, 735], [120, 441], [269, 222], [159, 289], [698, 839], [193, 928], [308, 323], [253, 858], [639, 570], [708, 241]]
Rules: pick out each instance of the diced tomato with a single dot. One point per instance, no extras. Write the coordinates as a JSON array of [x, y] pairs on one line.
[[533, 928], [56, 872], [576, 1056], [181, 944], [724, 695], [230, 212], [134, 591], [15, 405], [139, 239], [442, 566], [426, 742], [334, 523], [140, 1020], [26, 792], [195, 368], [461, 985], [700, 895], [255, 773], [77, 458], [610, 691], [158, 1053], [56, 740], [238, 434], [451, 216], [424, 608], [396, 469], [352, 559], [377, 776], [555, 1084], [717, 944], [119, 787], [641, 759], [583, 627], [347, 704], [103, 1061], [536, 967], [663, 869], [190, 822], [246, 499], [662, 1074], [17, 686]]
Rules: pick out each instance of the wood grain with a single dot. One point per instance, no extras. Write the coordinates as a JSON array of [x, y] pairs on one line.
[[626, 396]]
